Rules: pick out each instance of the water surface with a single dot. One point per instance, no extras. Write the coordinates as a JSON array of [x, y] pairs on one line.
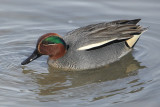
[[131, 81]]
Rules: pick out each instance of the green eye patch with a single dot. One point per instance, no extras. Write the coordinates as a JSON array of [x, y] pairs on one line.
[[53, 40]]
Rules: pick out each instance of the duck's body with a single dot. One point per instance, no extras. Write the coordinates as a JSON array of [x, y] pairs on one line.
[[95, 45], [90, 59]]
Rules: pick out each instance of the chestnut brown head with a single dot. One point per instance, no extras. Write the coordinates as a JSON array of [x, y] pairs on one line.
[[48, 44]]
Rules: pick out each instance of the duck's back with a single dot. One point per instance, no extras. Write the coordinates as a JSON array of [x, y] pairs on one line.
[[97, 45]]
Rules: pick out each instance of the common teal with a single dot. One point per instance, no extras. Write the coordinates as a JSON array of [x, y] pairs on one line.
[[88, 47]]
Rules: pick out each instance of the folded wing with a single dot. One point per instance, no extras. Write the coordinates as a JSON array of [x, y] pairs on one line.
[[103, 33]]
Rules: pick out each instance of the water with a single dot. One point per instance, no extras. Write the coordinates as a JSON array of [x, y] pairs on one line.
[[132, 81]]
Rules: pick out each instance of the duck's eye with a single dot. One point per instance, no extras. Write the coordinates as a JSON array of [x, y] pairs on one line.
[[53, 40], [47, 42]]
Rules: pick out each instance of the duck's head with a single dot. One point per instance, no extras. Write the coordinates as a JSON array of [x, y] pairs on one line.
[[48, 44]]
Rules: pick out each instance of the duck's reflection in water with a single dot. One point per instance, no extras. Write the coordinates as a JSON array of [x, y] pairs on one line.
[[55, 80]]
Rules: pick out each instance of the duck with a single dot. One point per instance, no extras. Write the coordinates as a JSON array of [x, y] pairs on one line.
[[88, 47]]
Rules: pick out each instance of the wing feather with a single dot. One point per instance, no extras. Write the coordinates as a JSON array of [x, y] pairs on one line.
[[95, 35]]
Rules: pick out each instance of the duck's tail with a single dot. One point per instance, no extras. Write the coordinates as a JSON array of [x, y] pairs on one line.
[[132, 41]]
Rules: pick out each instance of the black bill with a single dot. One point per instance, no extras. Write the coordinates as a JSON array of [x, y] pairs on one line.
[[34, 56]]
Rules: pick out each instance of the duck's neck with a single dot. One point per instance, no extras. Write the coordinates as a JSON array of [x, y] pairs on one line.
[[59, 51]]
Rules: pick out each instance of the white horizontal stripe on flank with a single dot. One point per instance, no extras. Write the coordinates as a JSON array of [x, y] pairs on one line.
[[94, 45]]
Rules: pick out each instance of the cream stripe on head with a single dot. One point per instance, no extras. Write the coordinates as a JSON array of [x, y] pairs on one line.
[[94, 45]]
